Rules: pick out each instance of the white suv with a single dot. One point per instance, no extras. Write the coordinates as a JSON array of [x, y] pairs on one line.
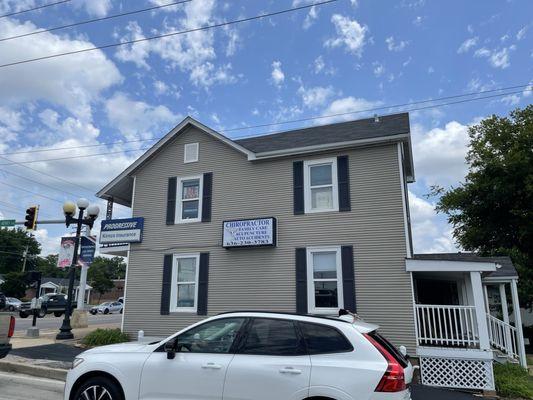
[[248, 356]]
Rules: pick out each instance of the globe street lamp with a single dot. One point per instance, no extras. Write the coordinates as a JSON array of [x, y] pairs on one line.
[[69, 209]]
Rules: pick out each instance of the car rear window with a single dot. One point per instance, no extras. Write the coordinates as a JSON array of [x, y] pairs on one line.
[[322, 339], [398, 356]]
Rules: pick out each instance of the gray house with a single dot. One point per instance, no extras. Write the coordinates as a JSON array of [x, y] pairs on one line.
[[308, 221]]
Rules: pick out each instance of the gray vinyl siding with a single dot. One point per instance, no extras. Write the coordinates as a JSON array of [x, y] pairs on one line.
[[264, 278]]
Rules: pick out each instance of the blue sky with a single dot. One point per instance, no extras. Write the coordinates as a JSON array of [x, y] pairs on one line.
[[341, 57]]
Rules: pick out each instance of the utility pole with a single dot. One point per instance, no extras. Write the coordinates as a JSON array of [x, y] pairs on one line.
[[25, 256]]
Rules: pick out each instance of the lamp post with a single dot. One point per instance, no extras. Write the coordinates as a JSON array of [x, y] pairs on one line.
[[69, 209]]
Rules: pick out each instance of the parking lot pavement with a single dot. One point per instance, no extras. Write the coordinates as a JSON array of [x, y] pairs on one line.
[[419, 392], [24, 387]]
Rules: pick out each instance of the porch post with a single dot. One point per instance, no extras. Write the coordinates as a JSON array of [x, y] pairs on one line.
[[481, 314], [505, 313], [518, 324], [486, 294]]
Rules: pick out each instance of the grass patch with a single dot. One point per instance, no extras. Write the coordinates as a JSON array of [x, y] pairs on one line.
[[102, 337], [513, 381]]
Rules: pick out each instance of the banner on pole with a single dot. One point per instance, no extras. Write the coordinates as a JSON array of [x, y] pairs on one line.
[[88, 247], [66, 252]]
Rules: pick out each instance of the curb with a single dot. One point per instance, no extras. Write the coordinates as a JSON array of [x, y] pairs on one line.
[[33, 370]]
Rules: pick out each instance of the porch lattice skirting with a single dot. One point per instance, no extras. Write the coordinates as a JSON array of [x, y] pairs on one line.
[[457, 373]]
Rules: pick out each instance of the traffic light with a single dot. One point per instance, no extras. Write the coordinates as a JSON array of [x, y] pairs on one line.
[[31, 218]]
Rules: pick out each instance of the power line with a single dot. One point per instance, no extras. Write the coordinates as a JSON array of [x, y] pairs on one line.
[[290, 121], [34, 8], [89, 21], [269, 124], [39, 183], [17, 208], [29, 191], [202, 28]]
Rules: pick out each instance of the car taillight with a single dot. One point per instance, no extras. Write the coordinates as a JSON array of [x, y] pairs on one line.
[[393, 379], [11, 330]]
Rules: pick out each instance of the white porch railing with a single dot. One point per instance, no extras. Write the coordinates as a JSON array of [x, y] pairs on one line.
[[503, 336], [443, 325]]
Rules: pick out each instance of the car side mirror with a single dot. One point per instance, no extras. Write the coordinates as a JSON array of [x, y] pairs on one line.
[[170, 349]]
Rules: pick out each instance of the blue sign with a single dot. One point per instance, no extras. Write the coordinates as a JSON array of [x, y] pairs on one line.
[[87, 249], [127, 230]]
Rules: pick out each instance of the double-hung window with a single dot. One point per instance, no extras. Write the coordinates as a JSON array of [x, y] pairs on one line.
[[189, 204], [321, 185], [324, 274], [184, 289]]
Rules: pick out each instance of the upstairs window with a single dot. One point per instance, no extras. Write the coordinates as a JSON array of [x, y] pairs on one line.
[[321, 185], [190, 152], [189, 204]]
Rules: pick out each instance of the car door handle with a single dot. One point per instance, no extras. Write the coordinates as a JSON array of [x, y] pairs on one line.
[[290, 370], [212, 366]]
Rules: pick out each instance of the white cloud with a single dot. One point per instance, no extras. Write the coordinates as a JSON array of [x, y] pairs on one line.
[[379, 69], [73, 82], [310, 18], [316, 96], [350, 35], [160, 87], [521, 33], [498, 58], [277, 74], [320, 66], [467, 45], [439, 153], [137, 119], [346, 105], [418, 20], [393, 46], [97, 8]]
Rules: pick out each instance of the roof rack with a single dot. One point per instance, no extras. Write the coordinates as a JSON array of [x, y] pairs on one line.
[[328, 317]]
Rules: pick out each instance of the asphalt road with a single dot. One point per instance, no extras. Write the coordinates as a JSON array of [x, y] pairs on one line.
[[51, 322], [24, 387]]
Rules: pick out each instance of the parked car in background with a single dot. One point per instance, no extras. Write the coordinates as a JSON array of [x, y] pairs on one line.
[[55, 303], [107, 308], [121, 299], [13, 304], [3, 301], [7, 328], [249, 356]]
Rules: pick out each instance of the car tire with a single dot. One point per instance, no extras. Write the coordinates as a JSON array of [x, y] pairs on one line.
[[121, 310], [41, 314], [58, 313], [23, 315], [11, 308], [93, 312], [96, 386], [106, 311]]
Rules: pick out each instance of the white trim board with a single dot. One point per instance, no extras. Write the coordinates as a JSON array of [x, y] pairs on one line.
[[446, 352], [413, 265]]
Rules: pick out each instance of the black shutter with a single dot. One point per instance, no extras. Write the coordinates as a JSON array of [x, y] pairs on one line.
[[298, 186], [348, 279], [165, 288], [203, 278], [343, 183], [207, 197], [301, 281], [171, 200]]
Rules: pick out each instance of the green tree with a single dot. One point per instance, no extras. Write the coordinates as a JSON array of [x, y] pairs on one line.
[[12, 245], [14, 284], [492, 211], [114, 268], [100, 282], [48, 267]]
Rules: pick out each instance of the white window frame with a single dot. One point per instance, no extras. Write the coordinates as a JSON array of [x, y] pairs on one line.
[[307, 185], [180, 200], [174, 286], [196, 147], [312, 309]]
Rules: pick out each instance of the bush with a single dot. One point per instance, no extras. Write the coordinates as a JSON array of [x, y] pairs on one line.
[[513, 381], [102, 337]]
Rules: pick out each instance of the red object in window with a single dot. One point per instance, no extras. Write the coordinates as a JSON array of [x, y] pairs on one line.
[[11, 327], [393, 379]]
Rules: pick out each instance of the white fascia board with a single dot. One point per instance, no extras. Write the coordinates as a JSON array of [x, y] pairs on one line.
[[170, 135], [499, 279], [448, 352], [412, 265], [326, 146]]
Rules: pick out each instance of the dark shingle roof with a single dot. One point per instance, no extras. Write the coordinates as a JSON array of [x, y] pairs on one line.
[[507, 268], [389, 125]]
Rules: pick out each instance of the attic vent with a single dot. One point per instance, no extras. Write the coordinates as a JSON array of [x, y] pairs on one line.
[[190, 153]]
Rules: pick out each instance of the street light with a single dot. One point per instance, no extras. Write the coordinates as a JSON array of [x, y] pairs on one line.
[[69, 209]]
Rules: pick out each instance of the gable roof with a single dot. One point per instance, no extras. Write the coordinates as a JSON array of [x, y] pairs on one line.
[[506, 269], [390, 128]]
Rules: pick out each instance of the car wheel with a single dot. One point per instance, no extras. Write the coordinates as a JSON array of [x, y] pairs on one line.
[[98, 388], [57, 314], [106, 311], [93, 312], [23, 315], [42, 313], [11, 308]]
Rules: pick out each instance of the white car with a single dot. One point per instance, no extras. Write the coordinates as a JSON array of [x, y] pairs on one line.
[[248, 356], [107, 308]]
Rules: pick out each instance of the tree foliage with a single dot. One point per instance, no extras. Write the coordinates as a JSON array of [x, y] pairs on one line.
[[103, 270], [12, 245], [492, 211], [14, 284]]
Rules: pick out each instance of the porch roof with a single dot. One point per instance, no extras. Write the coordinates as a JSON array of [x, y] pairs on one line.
[[504, 268]]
